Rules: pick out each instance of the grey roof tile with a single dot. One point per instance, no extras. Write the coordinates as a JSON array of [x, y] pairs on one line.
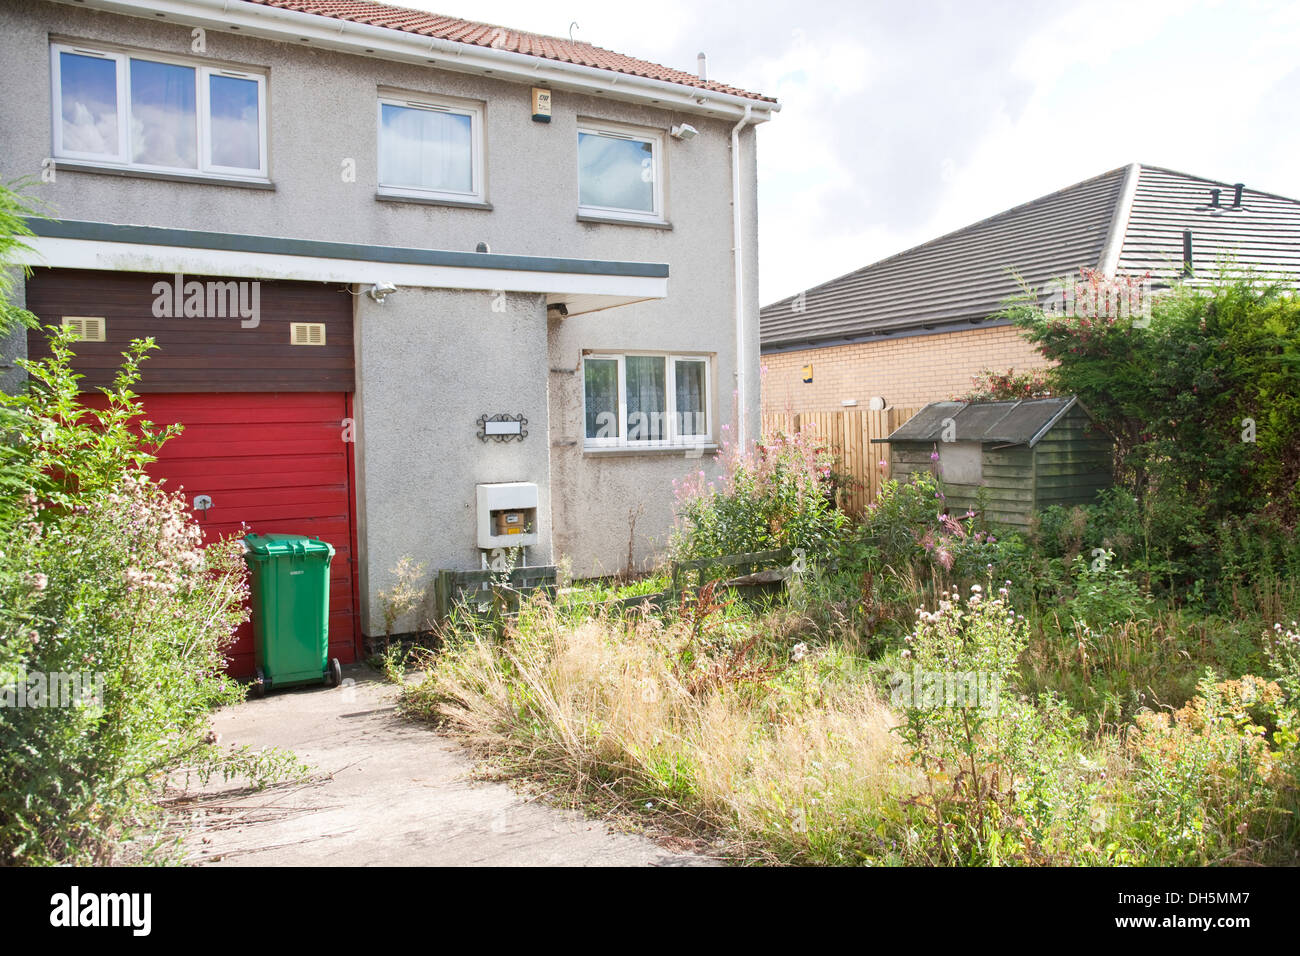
[[968, 275]]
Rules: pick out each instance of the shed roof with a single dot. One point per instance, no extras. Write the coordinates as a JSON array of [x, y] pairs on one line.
[[1021, 422]]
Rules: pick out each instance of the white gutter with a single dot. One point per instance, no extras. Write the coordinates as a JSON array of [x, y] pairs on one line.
[[1119, 222], [363, 39], [738, 251]]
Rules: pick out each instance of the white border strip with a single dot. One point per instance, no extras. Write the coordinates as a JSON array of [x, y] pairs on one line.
[[140, 257], [1119, 222]]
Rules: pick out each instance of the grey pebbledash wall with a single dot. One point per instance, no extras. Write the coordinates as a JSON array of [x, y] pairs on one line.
[[426, 359], [422, 380]]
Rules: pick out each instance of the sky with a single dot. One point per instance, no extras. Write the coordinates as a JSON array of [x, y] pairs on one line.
[[901, 121]]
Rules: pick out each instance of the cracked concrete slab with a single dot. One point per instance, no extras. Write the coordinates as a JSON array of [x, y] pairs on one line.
[[386, 792]]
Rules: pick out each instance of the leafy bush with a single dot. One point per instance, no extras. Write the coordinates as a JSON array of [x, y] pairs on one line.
[[1283, 650], [103, 576], [777, 495], [990, 386], [1212, 783], [1105, 594], [1003, 780], [1203, 403], [907, 541]]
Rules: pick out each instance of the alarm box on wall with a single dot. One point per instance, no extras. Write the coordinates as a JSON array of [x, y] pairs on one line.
[[507, 514]]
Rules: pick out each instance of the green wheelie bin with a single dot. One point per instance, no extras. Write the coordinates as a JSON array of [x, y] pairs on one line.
[[291, 610]]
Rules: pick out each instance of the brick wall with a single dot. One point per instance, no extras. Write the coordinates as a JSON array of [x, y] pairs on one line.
[[907, 371]]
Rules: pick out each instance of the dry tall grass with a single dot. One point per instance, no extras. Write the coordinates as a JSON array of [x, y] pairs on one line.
[[786, 757]]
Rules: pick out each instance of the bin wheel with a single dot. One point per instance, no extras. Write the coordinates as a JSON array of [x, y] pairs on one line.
[[260, 684], [335, 675]]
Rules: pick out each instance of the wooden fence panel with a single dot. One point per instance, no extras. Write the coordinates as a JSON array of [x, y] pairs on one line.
[[848, 434]]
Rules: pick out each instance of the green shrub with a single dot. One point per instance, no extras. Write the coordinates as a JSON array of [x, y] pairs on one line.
[[1003, 781], [1104, 593], [913, 550], [1211, 783], [777, 495], [104, 579], [1203, 403]]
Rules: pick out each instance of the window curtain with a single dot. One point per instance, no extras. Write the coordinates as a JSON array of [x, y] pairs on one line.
[[600, 381], [426, 149], [646, 398], [689, 387], [164, 122]]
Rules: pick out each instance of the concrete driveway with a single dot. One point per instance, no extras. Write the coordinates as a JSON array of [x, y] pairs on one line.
[[386, 792]]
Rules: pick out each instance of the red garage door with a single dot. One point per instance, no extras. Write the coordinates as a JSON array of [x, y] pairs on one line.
[[263, 416], [276, 462]]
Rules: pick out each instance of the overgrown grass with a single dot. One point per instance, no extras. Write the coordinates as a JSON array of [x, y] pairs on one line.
[[775, 738], [786, 754], [604, 590]]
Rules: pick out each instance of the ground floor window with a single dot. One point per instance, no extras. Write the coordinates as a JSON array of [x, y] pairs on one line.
[[638, 399]]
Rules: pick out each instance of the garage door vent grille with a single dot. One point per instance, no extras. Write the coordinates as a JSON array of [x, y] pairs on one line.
[[87, 328], [307, 333]]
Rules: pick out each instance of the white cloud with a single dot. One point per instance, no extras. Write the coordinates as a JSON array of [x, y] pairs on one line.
[[903, 121]]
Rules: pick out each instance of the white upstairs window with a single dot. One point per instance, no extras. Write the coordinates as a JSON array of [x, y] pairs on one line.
[[431, 149], [157, 113], [620, 173]]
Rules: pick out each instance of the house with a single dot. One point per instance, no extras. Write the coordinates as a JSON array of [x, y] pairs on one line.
[[403, 269], [918, 326], [1009, 459]]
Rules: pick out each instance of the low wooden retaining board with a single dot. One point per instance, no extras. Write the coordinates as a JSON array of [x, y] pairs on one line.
[[751, 563], [493, 593], [480, 592]]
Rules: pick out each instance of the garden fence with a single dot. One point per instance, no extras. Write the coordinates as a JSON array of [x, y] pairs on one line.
[[848, 433]]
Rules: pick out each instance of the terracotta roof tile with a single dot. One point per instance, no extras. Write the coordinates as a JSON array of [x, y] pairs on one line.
[[515, 41]]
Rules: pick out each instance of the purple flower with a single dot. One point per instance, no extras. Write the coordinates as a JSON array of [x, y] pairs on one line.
[[934, 456]]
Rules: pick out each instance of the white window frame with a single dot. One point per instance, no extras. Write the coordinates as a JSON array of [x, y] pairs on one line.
[[202, 111], [656, 141], [205, 121], [674, 438], [436, 104]]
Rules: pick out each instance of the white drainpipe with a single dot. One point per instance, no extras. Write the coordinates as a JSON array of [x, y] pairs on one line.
[[738, 250]]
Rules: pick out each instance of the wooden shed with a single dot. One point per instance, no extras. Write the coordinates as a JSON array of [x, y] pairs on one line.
[[1029, 454]]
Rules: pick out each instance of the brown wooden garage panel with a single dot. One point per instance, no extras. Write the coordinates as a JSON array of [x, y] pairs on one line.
[[199, 354]]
